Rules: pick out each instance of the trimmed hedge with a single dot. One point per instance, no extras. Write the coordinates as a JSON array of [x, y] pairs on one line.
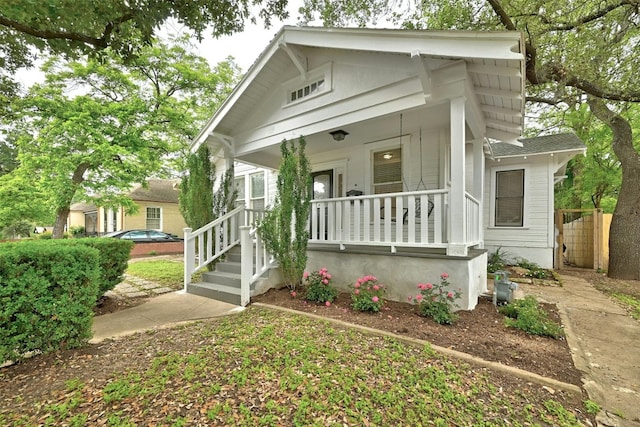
[[114, 256], [47, 293]]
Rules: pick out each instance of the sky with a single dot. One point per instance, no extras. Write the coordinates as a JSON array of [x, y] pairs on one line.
[[245, 47]]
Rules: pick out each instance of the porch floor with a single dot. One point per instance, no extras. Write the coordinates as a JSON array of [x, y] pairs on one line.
[[410, 252]]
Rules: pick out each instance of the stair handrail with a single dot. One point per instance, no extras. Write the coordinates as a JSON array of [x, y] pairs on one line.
[[222, 235], [255, 260]]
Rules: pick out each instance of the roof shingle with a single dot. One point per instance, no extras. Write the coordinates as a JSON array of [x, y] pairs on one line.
[[539, 145]]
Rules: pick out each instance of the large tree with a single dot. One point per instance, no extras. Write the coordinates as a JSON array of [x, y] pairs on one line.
[[79, 28], [94, 128], [576, 52]]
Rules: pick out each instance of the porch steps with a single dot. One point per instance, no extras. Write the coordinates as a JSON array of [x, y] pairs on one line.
[[223, 284]]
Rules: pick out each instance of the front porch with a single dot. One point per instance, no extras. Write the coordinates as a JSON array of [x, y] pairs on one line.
[[352, 237]]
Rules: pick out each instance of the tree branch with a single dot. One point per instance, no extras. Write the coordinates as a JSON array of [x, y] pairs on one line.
[[99, 43], [50, 35], [543, 100], [560, 74], [591, 17]]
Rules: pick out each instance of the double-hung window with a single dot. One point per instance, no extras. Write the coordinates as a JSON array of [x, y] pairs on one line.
[[154, 217], [509, 198], [257, 190]]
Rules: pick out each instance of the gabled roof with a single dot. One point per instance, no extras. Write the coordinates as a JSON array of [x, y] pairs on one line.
[[495, 63], [158, 190], [84, 207], [558, 143]]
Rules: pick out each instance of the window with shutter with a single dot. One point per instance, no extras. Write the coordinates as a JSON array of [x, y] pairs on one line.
[[387, 171], [509, 202]]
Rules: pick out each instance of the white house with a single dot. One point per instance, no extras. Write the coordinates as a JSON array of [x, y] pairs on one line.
[[397, 125]]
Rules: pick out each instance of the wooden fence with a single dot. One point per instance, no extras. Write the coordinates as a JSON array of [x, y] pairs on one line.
[[583, 238]]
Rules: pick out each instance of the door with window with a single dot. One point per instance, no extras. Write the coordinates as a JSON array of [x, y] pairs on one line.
[[322, 189]]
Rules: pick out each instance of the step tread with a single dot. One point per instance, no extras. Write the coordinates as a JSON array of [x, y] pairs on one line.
[[223, 274], [217, 287]]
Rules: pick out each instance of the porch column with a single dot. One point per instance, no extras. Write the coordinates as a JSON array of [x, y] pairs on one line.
[[110, 226], [478, 183], [456, 223]]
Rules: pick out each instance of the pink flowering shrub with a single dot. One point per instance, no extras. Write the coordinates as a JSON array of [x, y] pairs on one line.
[[319, 287], [367, 294], [437, 301]]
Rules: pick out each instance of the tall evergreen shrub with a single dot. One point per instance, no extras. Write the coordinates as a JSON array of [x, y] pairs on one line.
[[196, 189], [284, 227]]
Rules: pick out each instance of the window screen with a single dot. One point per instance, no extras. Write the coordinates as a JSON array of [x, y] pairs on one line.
[[387, 171], [509, 198], [239, 186], [153, 218], [257, 191]]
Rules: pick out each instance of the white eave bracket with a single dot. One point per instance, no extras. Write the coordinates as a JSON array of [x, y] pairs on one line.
[[299, 60], [225, 140], [506, 137], [424, 74]]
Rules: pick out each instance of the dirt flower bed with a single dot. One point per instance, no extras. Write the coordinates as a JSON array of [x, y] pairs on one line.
[[480, 332]]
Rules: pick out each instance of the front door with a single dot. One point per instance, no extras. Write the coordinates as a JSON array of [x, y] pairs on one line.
[[322, 182]]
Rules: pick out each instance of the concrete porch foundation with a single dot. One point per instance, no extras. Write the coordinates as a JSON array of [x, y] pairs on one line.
[[403, 270]]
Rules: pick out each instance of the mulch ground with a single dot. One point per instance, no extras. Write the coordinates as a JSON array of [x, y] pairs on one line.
[[480, 332]]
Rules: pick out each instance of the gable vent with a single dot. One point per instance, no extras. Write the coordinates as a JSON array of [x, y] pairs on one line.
[[307, 90]]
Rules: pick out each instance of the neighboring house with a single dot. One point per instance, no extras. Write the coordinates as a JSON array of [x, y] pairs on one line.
[[157, 210], [397, 125]]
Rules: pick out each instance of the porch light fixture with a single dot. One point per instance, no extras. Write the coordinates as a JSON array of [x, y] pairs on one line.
[[338, 135]]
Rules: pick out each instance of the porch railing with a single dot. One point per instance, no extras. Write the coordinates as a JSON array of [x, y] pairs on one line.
[[394, 219], [208, 243], [473, 220]]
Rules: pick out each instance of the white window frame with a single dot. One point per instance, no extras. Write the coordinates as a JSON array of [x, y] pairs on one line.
[[323, 72], [249, 195], [387, 144], [241, 201], [146, 217], [526, 206]]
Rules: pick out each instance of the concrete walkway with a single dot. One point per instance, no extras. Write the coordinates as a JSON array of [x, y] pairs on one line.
[[605, 342], [161, 311]]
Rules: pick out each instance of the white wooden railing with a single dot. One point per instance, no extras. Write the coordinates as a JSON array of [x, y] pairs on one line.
[[208, 243], [256, 260], [395, 219], [473, 220]]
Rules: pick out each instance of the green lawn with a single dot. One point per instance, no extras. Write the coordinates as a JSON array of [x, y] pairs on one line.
[[263, 368], [162, 271]]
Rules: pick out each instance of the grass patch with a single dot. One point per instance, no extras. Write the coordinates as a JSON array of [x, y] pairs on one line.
[[164, 272], [631, 303], [527, 315], [270, 368]]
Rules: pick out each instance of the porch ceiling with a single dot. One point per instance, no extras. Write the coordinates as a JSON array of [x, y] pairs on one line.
[[365, 132], [495, 68]]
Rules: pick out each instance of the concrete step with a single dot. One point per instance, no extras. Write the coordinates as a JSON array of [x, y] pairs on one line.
[[218, 292], [229, 267], [222, 278]]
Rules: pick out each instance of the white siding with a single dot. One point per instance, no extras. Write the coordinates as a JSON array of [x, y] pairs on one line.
[[533, 240]]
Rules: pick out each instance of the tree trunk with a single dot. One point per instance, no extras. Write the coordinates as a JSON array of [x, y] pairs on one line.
[[61, 220], [624, 235], [65, 199]]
